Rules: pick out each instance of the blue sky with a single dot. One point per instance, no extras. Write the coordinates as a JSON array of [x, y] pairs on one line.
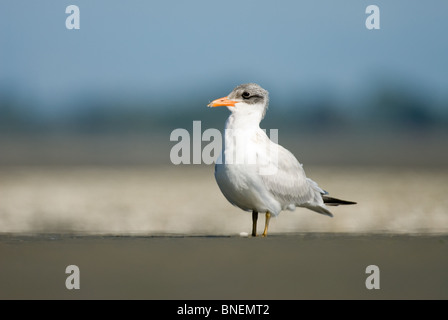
[[175, 49]]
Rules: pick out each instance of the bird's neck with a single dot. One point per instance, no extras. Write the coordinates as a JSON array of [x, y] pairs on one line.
[[239, 134], [246, 121]]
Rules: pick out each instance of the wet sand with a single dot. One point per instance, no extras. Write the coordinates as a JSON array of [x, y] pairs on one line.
[[168, 233], [282, 266]]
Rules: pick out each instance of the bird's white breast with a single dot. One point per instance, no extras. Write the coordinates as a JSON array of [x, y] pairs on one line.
[[237, 170]]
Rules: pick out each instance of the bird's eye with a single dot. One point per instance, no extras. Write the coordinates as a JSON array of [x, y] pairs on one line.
[[246, 95]]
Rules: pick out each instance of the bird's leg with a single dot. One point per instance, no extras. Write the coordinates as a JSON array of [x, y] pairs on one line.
[[266, 225], [254, 223]]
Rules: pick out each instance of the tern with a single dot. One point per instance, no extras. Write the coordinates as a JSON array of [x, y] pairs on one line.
[[256, 174]]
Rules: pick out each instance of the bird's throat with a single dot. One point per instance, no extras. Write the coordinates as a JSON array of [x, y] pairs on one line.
[[246, 121]]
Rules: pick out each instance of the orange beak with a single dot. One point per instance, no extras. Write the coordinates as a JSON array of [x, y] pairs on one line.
[[222, 102]]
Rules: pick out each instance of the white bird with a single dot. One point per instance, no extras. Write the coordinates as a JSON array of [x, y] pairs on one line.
[[256, 174]]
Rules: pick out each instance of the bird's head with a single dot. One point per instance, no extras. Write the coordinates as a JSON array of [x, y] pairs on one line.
[[246, 98]]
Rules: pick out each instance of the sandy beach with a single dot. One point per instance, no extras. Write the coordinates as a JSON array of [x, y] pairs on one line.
[[147, 233], [282, 266], [186, 200]]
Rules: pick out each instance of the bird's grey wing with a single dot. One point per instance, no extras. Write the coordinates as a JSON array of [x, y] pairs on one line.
[[289, 184]]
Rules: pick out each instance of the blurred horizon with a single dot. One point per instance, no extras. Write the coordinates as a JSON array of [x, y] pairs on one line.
[[134, 72], [392, 107]]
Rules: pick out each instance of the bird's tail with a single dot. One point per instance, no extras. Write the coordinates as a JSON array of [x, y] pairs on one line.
[[335, 202]]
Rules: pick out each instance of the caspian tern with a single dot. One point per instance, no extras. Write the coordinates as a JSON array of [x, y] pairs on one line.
[[256, 174]]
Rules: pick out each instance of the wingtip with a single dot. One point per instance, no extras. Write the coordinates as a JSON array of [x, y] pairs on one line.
[[330, 201]]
